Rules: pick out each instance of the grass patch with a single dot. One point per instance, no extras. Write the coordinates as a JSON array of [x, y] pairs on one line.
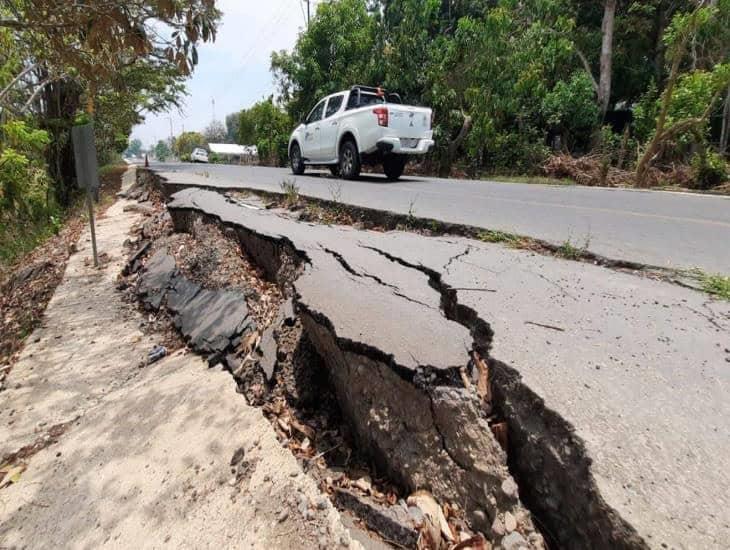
[[717, 285], [291, 192], [569, 251], [19, 236], [493, 236]]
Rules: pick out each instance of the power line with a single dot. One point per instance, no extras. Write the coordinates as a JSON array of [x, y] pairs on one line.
[[304, 17]]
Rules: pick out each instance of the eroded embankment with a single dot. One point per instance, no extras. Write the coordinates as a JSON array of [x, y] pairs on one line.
[[426, 422]]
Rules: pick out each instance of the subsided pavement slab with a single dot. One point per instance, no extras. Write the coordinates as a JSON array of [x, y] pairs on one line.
[[166, 454], [638, 367], [635, 368]]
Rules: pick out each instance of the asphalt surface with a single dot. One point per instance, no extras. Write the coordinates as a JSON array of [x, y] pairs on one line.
[[665, 229], [635, 368]]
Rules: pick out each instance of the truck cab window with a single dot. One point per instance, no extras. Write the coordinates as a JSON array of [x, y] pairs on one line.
[[333, 105], [316, 114]]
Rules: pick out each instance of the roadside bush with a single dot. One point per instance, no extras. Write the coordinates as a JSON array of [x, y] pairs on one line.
[[516, 153], [28, 213], [24, 182], [571, 108], [708, 170]]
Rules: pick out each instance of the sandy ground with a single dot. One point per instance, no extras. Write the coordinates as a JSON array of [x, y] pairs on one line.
[[168, 454]]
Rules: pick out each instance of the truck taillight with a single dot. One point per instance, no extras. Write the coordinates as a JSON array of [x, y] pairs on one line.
[[382, 114]]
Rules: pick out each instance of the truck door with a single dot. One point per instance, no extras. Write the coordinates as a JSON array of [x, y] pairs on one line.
[[330, 128], [312, 129]]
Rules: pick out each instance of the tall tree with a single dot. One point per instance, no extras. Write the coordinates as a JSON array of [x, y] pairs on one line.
[[604, 81], [232, 127], [215, 132], [701, 87]]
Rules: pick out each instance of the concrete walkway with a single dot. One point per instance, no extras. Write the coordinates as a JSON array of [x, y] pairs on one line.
[[140, 458]]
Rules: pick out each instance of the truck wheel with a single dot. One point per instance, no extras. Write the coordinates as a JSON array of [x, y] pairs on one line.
[[393, 166], [349, 160], [295, 157]]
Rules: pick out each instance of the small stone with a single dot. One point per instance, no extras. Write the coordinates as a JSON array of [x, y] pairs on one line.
[[416, 514], [282, 516], [345, 539], [509, 488], [510, 523], [309, 515], [497, 527], [514, 541], [323, 542], [322, 503]]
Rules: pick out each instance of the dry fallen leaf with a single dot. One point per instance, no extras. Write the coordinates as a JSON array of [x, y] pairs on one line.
[[483, 388], [364, 484], [432, 511], [303, 429], [12, 474]]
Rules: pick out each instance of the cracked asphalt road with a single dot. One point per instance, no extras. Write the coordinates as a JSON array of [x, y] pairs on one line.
[[635, 368], [671, 230]]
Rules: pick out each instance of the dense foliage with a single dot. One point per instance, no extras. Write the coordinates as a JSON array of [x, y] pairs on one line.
[[64, 63], [510, 81], [268, 127]]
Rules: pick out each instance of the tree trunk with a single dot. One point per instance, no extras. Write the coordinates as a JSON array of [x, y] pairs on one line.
[[448, 159], [725, 124], [61, 101], [604, 80]]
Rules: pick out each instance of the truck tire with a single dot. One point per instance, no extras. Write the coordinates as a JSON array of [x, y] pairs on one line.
[[295, 157], [349, 160], [393, 166]]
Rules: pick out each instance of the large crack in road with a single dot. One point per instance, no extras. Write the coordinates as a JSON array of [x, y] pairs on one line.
[[395, 316]]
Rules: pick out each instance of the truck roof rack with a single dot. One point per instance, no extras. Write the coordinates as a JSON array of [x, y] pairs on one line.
[[392, 97], [371, 89]]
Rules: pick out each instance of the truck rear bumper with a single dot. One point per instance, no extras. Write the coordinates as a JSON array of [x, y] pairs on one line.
[[395, 146]]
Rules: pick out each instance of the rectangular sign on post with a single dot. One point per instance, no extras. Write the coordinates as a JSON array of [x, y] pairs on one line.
[[87, 169], [87, 172]]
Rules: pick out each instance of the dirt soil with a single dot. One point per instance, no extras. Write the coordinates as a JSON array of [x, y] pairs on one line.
[[27, 286]]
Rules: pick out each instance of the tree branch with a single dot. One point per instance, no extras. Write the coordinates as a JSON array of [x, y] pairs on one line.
[[38, 90], [586, 66], [16, 79]]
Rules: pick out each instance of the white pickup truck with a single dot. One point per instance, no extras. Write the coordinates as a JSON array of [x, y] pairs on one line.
[[359, 126]]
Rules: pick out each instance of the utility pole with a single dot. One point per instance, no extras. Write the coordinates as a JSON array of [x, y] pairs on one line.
[[307, 13], [212, 102]]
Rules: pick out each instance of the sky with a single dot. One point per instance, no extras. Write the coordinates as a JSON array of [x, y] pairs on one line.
[[234, 70]]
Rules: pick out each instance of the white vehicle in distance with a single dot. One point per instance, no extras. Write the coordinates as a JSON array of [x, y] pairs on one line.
[[199, 155], [360, 126]]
